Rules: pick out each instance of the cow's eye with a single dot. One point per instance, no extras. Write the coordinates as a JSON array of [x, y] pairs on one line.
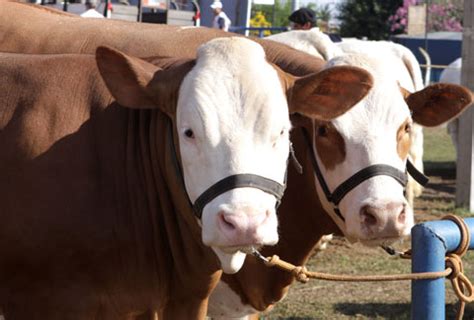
[[189, 133], [408, 127], [276, 139], [322, 131]]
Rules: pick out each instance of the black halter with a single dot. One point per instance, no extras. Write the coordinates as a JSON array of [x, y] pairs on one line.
[[371, 171], [243, 180]]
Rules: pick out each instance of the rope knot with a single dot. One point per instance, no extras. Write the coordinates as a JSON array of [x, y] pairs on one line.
[[454, 262], [272, 261], [461, 284], [300, 274]]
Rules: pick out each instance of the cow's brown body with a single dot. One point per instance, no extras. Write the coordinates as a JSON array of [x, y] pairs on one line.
[[34, 29], [95, 221]]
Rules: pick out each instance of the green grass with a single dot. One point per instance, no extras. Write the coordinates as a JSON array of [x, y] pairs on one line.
[[438, 146]]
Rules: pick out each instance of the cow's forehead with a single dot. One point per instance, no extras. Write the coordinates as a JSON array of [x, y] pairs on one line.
[[232, 80], [234, 63], [384, 107]]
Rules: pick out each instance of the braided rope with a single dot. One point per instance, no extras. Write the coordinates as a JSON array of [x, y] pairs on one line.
[[303, 275], [462, 286], [460, 283]]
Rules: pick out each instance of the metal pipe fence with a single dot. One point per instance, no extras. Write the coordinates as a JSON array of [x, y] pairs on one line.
[[431, 241]]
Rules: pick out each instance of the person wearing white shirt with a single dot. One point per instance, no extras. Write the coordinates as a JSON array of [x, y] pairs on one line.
[[221, 20], [90, 10]]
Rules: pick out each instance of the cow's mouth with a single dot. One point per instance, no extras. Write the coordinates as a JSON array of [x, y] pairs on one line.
[[381, 241], [243, 249]]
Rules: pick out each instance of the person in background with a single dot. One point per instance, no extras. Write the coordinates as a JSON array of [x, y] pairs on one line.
[[305, 19], [221, 20], [91, 12], [302, 19]]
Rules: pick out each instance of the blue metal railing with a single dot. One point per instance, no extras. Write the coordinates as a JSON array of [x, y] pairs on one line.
[[260, 30], [431, 241]]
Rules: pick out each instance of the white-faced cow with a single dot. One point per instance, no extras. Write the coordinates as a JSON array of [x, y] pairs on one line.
[[319, 44], [410, 78], [99, 199], [365, 151]]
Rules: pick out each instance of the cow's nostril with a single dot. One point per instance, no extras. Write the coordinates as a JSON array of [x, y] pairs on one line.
[[368, 218], [226, 223], [402, 216]]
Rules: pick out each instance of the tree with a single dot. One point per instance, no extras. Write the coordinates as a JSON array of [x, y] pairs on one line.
[[367, 18], [259, 20], [441, 16], [281, 11], [323, 15]]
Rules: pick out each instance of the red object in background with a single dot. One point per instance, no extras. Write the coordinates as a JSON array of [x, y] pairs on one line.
[[197, 18]]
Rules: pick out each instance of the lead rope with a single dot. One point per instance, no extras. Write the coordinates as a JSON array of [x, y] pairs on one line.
[[454, 270]]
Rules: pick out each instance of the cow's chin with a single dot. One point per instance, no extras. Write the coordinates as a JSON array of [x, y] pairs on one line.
[[376, 242], [231, 260], [381, 241]]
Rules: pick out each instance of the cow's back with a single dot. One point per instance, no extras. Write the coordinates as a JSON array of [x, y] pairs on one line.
[[31, 29], [25, 28]]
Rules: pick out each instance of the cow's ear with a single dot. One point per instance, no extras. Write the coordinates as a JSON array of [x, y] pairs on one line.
[[127, 78], [329, 93], [438, 103], [138, 84]]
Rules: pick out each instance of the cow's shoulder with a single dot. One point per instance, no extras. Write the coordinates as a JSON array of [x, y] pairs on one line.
[[47, 97]]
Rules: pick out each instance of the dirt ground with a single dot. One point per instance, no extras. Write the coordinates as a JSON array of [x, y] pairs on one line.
[[387, 300]]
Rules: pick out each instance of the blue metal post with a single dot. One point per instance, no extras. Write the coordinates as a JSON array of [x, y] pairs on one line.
[[430, 243]]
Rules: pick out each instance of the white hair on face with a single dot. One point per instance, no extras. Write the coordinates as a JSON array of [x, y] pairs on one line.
[[369, 131], [234, 102]]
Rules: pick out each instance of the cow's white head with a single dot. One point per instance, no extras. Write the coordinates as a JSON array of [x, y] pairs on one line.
[[377, 131], [231, 111]]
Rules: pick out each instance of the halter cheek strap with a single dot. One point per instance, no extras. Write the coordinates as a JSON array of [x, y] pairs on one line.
[[374, 170], [243, 180]]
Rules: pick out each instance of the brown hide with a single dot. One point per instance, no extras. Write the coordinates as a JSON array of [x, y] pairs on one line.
[[102, 179], [33, 29]]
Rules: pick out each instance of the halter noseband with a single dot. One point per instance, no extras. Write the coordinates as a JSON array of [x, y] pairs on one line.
[[243, 180], [374, 170]]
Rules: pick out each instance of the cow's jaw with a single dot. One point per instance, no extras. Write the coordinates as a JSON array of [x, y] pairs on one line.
[[376, 211], [234, 104]]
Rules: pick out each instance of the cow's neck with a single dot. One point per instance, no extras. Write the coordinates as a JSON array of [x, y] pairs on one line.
[[302, 222], [196, 270], [165, 254]]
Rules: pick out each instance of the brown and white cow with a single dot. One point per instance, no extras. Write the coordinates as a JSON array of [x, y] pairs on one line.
[[376, 131], [320, 45], [410, 78], [97, 220]]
